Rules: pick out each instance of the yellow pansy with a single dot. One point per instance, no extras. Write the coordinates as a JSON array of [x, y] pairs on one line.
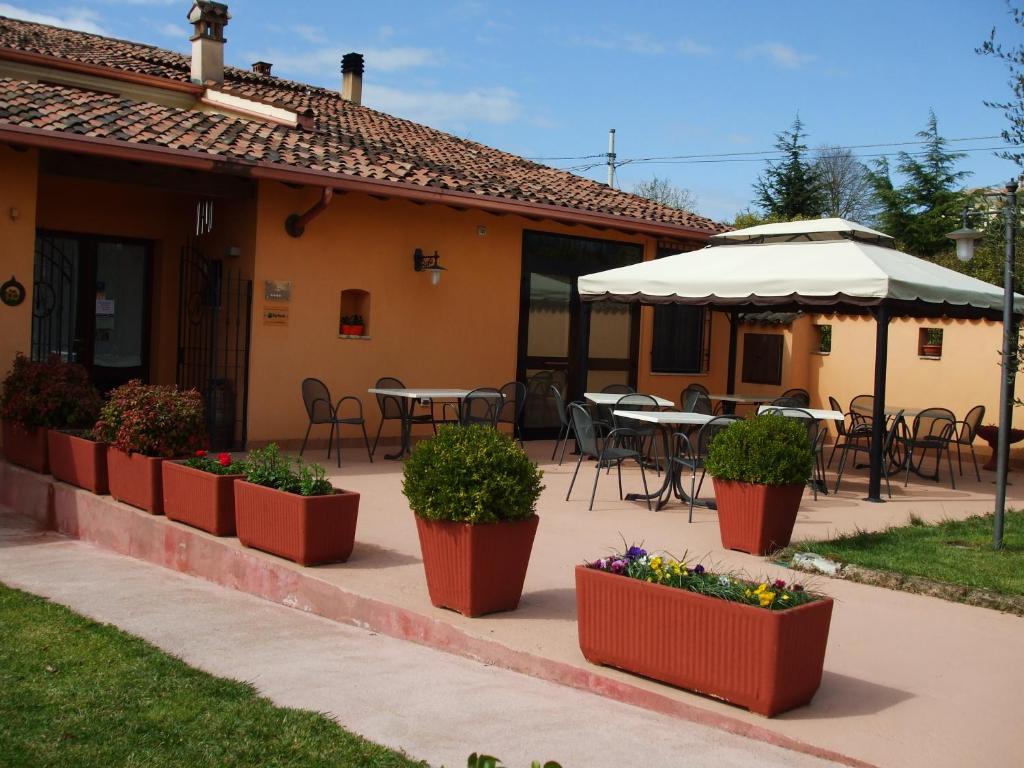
[[766, 598]]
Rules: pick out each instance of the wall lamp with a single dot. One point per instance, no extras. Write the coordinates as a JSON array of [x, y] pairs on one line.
[[431, 264]]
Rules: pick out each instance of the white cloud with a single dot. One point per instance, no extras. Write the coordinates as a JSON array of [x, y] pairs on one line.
[[321, 61], [692, 47], [309, 33], [639, 42], [783, 55], [179, 32], [82, 19], [446, 108]]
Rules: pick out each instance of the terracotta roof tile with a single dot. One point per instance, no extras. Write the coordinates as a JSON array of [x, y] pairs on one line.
[[349, 139]]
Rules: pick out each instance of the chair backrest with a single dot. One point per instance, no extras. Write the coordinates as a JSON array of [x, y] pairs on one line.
[[938, 423], [563, 415], [789, 402], [696, 388], [618, 389], [815, 429], [512, 403], [711, 430], [586, 433], [863, 405], [391, 407], [802, 396], [634, 402], [895, 426], [840, 425], [317, 399], [695, 401], [971, 423], [481, 406], [537, 385]]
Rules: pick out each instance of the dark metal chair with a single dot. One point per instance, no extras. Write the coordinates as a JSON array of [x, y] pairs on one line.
[[967, 431], [511, 409], [842, 431], [317, 399], [816, 433], [861, 442], [862, 411], [480, 406], [646, 434], [690, 452], [695, 401], [802, 396], [565, 430], [398, 409], [788, 402], [934, 429], [604, 450]]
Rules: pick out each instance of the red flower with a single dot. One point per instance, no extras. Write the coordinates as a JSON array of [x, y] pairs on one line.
[[779, 584], [200, 454], [224, 459]]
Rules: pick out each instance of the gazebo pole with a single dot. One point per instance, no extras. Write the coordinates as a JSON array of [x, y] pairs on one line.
[[878, 409], [730, 382], [582, 348]]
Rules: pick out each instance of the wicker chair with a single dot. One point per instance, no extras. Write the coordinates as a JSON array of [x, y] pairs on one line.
[[317, 400]]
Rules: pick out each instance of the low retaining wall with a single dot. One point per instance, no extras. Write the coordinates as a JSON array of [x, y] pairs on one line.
[[118, 527]]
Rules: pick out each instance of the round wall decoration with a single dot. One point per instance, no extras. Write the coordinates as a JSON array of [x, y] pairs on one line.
[[12, 293]]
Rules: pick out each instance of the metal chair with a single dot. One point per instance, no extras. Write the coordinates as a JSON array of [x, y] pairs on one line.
[[788, 402], [480, 406], [842, 431], [511, 409], [646, 433], [862, 411], [695, 401], [934, 428], [604, 451], [862, 442], [398, 409], [566, 428], [816, 433], [967, 431], [802, 396], [317, 399], [690, 453]]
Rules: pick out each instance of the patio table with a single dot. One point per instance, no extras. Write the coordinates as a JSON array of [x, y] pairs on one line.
[[734, 399], [423, 393], [612, 398], [814, 413], [665, 420]]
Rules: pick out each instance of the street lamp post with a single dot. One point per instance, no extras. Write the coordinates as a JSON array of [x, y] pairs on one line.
[[965, 240]]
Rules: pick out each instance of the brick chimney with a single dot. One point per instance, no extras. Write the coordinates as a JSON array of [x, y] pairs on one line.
[[352, 77], [262, 67], [208, 20]]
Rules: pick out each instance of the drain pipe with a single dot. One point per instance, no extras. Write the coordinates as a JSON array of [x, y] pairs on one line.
[[296, 223]]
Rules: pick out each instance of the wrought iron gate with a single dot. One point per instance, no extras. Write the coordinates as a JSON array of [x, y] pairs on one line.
[[214, 324], [55, 299]]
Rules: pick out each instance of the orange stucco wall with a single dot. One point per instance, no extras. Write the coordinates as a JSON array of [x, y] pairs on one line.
[[18, 181]]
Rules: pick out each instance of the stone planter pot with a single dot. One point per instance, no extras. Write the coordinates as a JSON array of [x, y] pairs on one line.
[[26, 447], [200, 499], [136, 479], [78, 461], [476, 569], [756, 518], [306, 529], [766, 661]]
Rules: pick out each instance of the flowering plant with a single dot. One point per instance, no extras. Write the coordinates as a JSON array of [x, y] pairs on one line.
[[221, 464], [48, 393], [637, 563], [266, 466], [153, 419]]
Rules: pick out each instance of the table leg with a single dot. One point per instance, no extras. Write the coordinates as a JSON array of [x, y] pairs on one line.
[[664, 493], [405, 440]]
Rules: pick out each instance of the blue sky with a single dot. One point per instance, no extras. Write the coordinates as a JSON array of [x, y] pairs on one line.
[[548, 79]]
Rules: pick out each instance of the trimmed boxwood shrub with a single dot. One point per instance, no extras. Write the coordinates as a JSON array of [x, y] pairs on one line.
[[471, 475], [49, 393], [768, 449], [154, 420]]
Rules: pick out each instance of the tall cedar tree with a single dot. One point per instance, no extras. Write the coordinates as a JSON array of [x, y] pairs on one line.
[[1012, 109], [927, 205], [790, 189]]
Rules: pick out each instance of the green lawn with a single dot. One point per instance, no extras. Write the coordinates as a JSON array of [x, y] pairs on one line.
[[77, 693], [955, 551]]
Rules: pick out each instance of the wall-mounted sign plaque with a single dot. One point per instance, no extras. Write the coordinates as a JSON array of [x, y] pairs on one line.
[[275, 316], [277, 290]]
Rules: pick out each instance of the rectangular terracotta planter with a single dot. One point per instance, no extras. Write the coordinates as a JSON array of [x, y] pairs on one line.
[[200, 499], [766, 661], [136, 479], [26, 447], [306, 529], [78, 461], [476, 569], [755, 518]]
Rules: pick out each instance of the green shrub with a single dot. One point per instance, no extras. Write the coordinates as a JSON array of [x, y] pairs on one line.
[[153, 419], [266, 466], [768, 449], [471, 475]]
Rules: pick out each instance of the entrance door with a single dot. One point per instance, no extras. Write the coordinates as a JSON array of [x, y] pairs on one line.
[[549, 325], [92, 305]]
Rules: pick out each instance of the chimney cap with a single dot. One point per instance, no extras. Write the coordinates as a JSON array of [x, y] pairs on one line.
[[352, 63], [209, 19], [262, 67]]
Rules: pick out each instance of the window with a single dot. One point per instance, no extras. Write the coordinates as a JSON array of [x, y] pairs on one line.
[[762, 358], [823, 339], [929, 342], [682, 339]]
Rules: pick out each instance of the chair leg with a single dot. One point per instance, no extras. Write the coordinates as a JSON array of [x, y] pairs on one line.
[[305, 438], [330, 440], [949, 463], [693, 490], [337, 444], [832, 453], [571, 431], [563, 431], [574, 473], [643, 478], [618, 470], [593, 492], [959, 460], [842, 466], [974, 458], [366, 439], [376, 439]]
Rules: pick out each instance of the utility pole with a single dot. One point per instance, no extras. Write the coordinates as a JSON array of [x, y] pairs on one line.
[[611, 157]]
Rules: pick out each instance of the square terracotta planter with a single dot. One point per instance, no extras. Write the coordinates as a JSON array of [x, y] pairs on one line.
[[306, 529], [78, 461], [136, 479], [476, 569], [200, 499], [766, 661], [26, 447], [755, 518]]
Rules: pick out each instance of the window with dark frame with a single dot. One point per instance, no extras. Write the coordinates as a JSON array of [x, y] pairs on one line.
[[681, 342], [762, 358], [824, 339]]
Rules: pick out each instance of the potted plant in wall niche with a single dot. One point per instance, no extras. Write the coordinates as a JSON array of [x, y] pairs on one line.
[[677, 622], [473, 491], [39, 396], [358, 325], [290, 509], [760, 467], [199, 491], [146, 424]]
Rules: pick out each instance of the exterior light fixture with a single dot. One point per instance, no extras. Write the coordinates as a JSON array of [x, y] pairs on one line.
[[431, 264], [965, 238]]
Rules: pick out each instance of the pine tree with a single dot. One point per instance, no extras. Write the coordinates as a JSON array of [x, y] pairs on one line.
[[789, 189]]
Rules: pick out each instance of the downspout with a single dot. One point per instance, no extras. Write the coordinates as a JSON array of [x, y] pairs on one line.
[[296, 223]]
